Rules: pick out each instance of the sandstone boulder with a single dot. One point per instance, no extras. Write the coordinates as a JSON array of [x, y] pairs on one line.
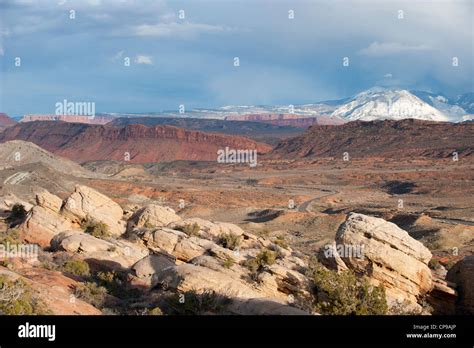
[[114, 254], [49, 201], [151, 264], [188, 277], [176, 243], [85, 203], [389, 257], [153, 215], [462, 274], [44, 220], [212, 230]]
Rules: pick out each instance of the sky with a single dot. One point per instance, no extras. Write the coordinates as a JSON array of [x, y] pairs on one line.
[[184, 52]]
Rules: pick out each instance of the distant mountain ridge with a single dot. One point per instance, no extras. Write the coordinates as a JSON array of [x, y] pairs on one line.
[[102, 119], [5, 120], [387, 138], [259, 131], [134, 143]]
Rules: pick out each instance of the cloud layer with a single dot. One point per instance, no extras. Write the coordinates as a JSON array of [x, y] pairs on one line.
[[183, 52]]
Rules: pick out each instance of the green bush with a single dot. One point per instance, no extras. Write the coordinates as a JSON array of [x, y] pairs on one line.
[[148, 225], [97, 229], [76, 267], [344, 293], [228, 262], [10, 237], [91, 293], [17, 214], [259, 263], [190, 229], [17, 298], [281, 241], [230, 241], [266, 258], [116, 285], [193, 303]]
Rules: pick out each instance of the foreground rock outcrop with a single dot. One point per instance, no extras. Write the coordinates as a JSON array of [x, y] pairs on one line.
[[162, 251], [387, 255], [51, 215], [163, 254], [115, 253], [44, 220], [200, 264], [85, 203], [152, 215]]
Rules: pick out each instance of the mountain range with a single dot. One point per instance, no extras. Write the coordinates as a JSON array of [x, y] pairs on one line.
[[376, 103]]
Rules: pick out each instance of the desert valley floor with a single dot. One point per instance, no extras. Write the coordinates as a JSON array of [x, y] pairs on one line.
[[297, 205]]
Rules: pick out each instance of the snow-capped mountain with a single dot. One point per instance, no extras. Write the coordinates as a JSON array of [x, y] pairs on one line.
[[466, 101], [396, 104], [376, 103], [444, 104]]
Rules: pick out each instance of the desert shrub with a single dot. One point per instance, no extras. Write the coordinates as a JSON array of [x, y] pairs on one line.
[[344, 293], [193, 303], [76, 267], [10, 237], [266, 258], [434, 264], [97, 229], [259, 263], [228, 262], [91, 293], [148, 225], [230, 241], [17, 298], [51, 266], [116, 285], [281, 241], [17, 214], [190, 229]]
